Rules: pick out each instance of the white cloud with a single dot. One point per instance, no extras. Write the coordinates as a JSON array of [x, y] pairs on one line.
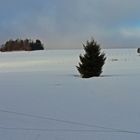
[[132, 32]]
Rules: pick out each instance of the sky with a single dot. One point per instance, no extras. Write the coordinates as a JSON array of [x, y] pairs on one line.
[[69, 23]]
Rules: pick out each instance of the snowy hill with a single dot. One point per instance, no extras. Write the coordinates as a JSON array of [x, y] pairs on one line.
[[42, 97]]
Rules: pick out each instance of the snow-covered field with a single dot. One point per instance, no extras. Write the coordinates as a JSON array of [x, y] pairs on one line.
[[42, 97]]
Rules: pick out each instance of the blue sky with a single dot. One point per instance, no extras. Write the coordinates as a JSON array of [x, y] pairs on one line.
[[69, 23]]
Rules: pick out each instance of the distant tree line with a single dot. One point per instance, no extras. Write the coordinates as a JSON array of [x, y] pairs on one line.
[[19, 45]]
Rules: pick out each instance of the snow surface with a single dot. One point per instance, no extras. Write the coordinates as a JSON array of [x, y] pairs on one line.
[[42, 97]]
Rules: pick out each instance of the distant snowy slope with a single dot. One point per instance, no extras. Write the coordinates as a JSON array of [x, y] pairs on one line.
[[38, 60]]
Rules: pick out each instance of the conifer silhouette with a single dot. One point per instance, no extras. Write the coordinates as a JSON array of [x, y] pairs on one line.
[[92, 61]]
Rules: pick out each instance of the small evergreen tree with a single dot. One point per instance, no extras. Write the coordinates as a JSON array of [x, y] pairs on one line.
[[92, 61]]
